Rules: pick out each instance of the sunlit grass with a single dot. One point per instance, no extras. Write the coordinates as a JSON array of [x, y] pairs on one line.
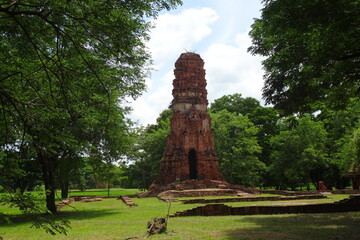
[[112, 219], [103, 192]]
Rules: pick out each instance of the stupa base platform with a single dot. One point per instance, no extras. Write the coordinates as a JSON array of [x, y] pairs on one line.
[[198, 188], [172, 195]]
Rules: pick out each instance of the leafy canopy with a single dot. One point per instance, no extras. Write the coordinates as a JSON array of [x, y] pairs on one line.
[[237, 147], [312, 53], [299, 152], [65, 68]]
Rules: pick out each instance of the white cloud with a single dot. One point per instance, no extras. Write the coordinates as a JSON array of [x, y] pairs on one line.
[[231, 69], [148, 107], [172, 35], [175, 33]]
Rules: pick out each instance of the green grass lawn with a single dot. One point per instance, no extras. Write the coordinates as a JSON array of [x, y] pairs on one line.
[[112, 219], [103, 192]]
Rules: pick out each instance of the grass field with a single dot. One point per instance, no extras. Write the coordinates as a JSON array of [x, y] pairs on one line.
[[111, 219], [103, 192]]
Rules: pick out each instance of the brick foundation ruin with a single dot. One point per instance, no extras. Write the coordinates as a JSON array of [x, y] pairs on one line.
[[345, 205]]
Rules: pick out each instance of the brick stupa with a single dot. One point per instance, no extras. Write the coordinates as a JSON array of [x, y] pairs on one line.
[[190, 152]]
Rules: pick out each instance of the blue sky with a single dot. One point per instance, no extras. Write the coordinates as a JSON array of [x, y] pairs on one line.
[[218, 31]]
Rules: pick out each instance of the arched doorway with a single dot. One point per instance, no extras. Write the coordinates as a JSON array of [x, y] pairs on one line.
[[192, 164]]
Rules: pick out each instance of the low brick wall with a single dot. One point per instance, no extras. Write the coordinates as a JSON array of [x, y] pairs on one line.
[[313, 192], [127, 201], [346, 205], [251, 199], [346, 191], [291, 193], [64, 203], [87, 199], [77, 199]]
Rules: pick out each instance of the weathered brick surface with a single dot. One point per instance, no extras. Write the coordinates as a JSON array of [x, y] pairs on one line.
[[190, 151], [296, 193], [251, 199], [64, 203], [346, 205], [127, 201]]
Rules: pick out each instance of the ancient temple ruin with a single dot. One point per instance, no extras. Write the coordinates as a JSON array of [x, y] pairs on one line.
[[190, 152]]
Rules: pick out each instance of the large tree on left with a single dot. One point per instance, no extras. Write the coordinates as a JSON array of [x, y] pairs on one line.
[[65, 66]]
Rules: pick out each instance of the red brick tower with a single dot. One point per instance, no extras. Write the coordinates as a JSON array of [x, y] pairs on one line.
[[190, 152]]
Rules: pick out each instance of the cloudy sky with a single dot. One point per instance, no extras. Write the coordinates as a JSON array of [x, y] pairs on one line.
[[218, 31]]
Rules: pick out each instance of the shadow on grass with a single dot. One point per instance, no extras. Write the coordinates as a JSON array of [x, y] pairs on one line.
[[63, 215], [332, 226]]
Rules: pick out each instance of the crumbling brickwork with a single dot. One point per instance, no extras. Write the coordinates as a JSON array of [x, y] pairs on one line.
[[190, 152]]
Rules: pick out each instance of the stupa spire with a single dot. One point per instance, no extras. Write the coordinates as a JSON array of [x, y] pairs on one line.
[[190, 151]]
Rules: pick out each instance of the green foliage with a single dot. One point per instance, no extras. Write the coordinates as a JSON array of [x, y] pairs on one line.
[[340, 126], [264, 118], [235, 103], [107, 173], [19, 170], [148, 152], [312, 53], [299, 154], [237, 148], [348, 156]]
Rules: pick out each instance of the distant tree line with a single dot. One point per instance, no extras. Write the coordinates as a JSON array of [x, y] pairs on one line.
[[256, 145]]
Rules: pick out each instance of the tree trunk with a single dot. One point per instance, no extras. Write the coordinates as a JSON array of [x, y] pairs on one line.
[[64, 189], [49, 181], [22, 186]]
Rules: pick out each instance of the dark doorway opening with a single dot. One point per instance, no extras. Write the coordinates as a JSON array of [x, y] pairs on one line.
[[192, 164]]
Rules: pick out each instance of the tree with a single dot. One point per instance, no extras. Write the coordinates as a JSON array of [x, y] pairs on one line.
[[264, 118], [68, 169], [109, 174], [19, 170], [348, 153], [299, 155], [237, 148], [235, 103], [312, 53], [148, 151], [65, 68], [340, 126]]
